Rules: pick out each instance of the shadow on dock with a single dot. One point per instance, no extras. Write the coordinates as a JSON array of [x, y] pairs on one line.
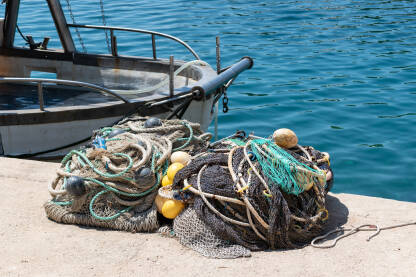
[[338, 213]]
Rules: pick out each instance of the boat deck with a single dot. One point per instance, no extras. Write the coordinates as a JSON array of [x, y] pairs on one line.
[[32, 245], [25, 96]]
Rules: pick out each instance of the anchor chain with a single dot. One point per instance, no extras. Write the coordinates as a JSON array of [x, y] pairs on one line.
[[76, 28], [107, 40], [225, 101]]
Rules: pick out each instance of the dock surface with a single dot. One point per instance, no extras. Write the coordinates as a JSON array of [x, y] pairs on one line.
[[32, 245]]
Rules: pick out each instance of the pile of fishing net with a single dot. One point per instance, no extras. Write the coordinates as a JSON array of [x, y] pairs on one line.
[[113, 181], [250, 194], [228, 198]]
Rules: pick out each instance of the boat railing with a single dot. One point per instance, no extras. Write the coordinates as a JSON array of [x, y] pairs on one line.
[[153, 34], [41, 81]]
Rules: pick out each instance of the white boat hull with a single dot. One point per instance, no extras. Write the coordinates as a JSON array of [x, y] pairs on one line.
[[17, 140]]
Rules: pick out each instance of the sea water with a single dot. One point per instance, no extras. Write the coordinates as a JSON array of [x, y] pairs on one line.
[[341, 74]]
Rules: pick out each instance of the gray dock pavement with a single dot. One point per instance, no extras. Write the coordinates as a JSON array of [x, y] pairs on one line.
[[32, 245]]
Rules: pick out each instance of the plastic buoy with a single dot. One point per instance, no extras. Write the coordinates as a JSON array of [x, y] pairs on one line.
[[172, 169], [180, 157], [75, 186], [152, 122], [115, 132], [172, 208], [144, 176], [159, 200], [166, 181], [285, 138], [169, 208]]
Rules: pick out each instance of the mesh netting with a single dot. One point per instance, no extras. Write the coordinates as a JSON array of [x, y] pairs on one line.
[[283, 169], [195, 234], [244, 204], [244, 193]]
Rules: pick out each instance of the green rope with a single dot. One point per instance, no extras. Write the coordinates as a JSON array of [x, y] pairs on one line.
[[188, 139], [62, 203], [108, 189], [113, 139], [107, 130], [96, 216], [84, 161], [123, 192], [281, 168], [155, 156], [236, 141], [104, 174]]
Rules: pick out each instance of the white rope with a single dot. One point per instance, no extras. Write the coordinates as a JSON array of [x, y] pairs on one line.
[[352, 231]]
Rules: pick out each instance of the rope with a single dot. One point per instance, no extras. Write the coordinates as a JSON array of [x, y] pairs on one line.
[[188, 139], [270, 215], [371, 227], [237, 183], [109, 170], [108, 189], [104, 174]]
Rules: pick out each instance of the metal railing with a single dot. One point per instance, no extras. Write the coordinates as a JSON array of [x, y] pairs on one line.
[[41, 81], [152, 33]]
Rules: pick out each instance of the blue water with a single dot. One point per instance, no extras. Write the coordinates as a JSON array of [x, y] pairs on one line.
[[339, 73]]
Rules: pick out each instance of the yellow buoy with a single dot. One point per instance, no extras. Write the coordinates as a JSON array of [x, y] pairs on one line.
[[172, 169], [285, 138], [159, 200], [169, 208], [180, 157], [166, 181], [172, 208]]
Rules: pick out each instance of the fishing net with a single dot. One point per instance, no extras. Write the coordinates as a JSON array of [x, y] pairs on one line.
[[242, 193], [250, 193], [113, 181], [192, 232]]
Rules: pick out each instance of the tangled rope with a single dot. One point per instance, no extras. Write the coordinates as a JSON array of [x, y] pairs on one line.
[[244, 193], [118, 173], [253, 193]]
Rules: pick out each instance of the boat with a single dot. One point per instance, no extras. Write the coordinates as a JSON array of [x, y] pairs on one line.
[[46, 116]]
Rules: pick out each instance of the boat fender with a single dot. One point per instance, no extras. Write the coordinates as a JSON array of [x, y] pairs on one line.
[[115, 132], [75, 186], [144, 176], [152, 122]]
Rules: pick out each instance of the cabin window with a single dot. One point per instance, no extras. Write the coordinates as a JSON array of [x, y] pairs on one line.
[[42, 74]]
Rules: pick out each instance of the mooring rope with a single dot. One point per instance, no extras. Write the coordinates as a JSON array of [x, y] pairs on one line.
[[371, 227]]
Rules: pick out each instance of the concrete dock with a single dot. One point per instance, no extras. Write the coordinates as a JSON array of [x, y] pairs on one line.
[[32, 245]]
